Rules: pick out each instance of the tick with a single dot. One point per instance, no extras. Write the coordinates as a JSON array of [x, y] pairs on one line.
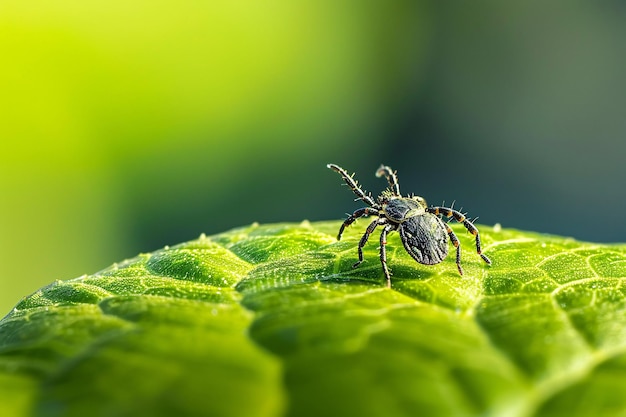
[[422, 231]]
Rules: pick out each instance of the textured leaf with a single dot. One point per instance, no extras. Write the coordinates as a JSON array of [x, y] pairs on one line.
[[272, 320]]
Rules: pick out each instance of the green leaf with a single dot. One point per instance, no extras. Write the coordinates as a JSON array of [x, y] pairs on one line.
[[272, 320]]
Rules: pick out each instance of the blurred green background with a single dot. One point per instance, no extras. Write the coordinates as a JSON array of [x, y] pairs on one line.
[[129, 125]]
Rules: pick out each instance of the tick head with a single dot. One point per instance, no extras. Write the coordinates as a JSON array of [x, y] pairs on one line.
[[385, 197]]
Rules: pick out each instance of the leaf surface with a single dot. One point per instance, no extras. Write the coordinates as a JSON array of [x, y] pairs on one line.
[[272, 320]]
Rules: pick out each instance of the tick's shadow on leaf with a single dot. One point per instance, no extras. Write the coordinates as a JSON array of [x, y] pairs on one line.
[[446, 290], [371, 273], [401, 272]]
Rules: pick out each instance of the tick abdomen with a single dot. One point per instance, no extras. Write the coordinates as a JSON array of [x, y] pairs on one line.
[[425, 239]]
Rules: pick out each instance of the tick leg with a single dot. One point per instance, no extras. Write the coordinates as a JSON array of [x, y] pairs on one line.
[[455, 242], [354, 185], [365, 211], [392, 179], [460, 217], [383, 252], [365, 236]]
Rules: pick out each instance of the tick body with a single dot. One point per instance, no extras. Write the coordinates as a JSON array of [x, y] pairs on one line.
[[422, 231]]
